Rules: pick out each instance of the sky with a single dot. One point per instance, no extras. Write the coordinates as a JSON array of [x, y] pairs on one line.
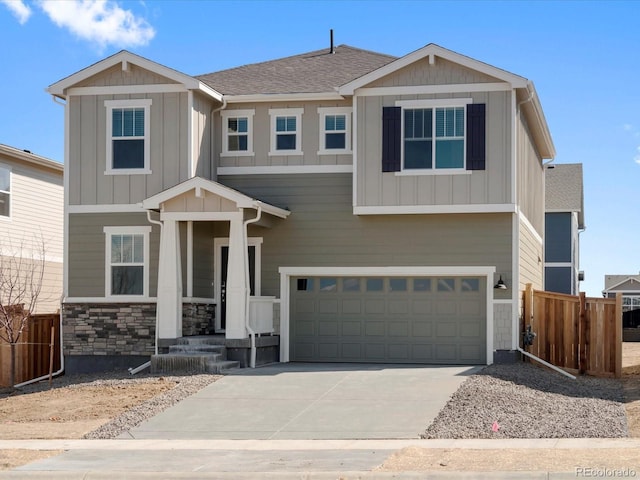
[[583, 57]]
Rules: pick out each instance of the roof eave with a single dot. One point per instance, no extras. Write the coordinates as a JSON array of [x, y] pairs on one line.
[[280, 97], [538, 122], [31, 158]]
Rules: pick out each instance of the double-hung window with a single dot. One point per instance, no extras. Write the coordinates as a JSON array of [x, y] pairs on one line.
[[286, 131], [237, 136], [430, 136], [335, 130], [127, 261], [128, 136], [5, 192]]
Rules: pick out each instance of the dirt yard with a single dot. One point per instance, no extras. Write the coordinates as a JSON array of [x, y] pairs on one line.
[[70, 412]]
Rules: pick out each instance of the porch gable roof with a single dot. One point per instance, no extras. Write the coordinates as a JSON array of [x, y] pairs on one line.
[[200, 184]]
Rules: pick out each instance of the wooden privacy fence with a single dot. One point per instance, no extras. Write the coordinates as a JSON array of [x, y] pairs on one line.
[[33, 351], [575, 333]]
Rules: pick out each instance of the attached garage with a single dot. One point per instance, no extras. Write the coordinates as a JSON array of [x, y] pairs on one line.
[[435, 319]]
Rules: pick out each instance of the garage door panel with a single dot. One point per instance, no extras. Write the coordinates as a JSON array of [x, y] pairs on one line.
[[352, 306], [375, 329], [351, 350], [328, 328], [447, 330], [375, 352], [399, 352], [328, 306], [352, 328], [398, 307], [398, 329], [328, 351], [374, 306], [394, 319]]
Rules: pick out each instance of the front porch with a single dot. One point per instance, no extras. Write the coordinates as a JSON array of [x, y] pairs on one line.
[[193, 217]]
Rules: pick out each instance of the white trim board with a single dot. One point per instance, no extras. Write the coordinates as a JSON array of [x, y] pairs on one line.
[[428, 209], [432, 89], [423, 271], [283, 169], [104, 208]]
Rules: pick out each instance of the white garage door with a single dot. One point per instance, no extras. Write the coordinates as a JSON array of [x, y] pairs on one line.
[[388, 319]]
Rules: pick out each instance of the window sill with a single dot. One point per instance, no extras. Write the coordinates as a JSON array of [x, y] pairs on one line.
[[335, 152], [441, 171], [128, 171], [237, 154], [128, 298], [285, 153]]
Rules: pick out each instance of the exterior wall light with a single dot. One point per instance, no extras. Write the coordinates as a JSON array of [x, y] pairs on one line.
[[500, 285]]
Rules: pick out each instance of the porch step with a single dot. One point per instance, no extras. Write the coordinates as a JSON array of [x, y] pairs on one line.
[[194, 355]]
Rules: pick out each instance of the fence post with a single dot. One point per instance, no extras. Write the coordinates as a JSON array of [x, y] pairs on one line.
[[583, 334], [618, 335]]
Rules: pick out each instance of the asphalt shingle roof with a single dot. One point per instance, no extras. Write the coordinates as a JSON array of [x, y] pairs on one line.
[[313, 72], [564, 190]]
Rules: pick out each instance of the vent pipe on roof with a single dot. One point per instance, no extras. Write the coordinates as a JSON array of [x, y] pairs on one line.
[[332, 50]]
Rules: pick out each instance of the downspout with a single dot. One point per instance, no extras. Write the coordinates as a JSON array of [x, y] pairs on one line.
[[252, 334], [546, 364], [54, 374], [139, 368]]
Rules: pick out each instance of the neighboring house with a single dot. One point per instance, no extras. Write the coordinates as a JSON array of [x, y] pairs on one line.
[[31, 219], [564, 221], [629, 287], [368, 203]]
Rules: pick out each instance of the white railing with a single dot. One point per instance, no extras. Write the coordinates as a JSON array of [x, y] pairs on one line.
[[261, 314]]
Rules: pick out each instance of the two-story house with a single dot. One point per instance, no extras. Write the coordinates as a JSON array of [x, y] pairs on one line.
[[31, 240], [564, 221], [386, 209]]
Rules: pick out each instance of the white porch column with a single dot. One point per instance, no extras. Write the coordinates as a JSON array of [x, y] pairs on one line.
[[236, 293], [169, 305]]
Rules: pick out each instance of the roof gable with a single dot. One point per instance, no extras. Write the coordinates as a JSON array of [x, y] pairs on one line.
[[200, 186], [431, 52], [124, 59], [622, 283], [24, 156]]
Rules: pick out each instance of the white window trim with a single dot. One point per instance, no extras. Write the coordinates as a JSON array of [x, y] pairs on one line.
[[434, 103], [134, 103], [274, 113], [323, 112], [127, 230], [10, 193], [226, 114]]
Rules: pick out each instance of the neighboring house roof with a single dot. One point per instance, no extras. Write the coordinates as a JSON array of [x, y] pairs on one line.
[[319, 71], [622, 282], [564, 190], [28, 157]]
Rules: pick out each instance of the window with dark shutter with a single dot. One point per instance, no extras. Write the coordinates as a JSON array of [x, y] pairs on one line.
[[476, 134], [391, 139]]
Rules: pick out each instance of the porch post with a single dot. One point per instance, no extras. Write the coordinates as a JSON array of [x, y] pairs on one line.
[[236, 285], [169, 303]]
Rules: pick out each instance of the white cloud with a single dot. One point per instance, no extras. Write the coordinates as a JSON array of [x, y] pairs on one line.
[[21, 11], [101, 21], [637, 157]]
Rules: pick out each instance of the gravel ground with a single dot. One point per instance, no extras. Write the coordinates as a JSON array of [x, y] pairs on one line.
[[528, 401]]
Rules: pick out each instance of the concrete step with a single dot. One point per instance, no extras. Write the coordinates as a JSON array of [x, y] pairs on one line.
[[193, 363], [196, 348], [202, 340]]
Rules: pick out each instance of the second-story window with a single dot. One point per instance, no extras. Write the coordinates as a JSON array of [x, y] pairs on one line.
[[286, 131], [127, 136], [335, 130], [237, 138], [5, 191]]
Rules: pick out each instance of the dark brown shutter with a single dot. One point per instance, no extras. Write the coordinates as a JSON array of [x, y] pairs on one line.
[[476, 133], [391, 138]]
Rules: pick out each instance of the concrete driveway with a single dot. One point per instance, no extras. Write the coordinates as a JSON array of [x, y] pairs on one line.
[[311, 402]]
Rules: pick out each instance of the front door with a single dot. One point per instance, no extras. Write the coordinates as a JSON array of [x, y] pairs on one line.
[[222, 265]]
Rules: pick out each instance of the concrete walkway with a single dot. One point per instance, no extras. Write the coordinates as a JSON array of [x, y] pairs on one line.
[[311, 402], [278, 459]]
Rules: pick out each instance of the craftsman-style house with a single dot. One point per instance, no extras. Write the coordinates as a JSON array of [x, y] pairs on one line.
[[335, 206]]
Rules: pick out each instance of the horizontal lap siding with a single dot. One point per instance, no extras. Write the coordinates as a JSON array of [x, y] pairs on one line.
[[322, 230], [87, 251], [531, 254], [530, 177]]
